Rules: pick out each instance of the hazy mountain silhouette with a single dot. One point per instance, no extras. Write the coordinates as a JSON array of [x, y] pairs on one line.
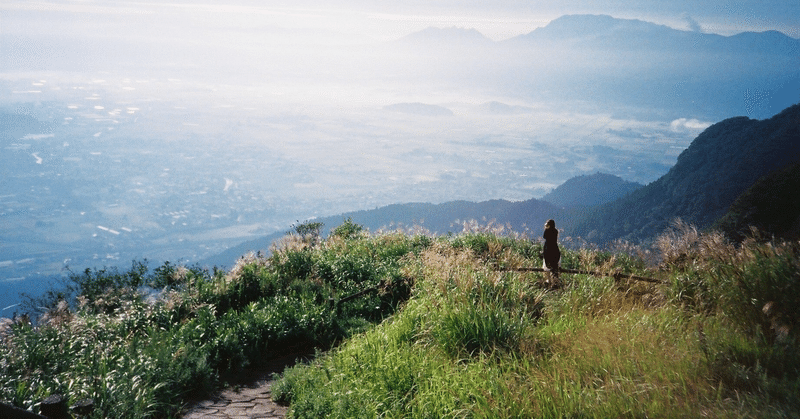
[[592, 31], [416, 108], [590, 190], [446, 37], [720, 164], [621, 61]]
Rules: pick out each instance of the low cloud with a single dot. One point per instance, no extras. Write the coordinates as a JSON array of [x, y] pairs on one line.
[[686, 125]]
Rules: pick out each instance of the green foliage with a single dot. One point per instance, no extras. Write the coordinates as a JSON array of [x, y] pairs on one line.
[[140, 342], [761, 288], [308, 231], [472, 329], [475, 342], [93, 283], [693, 290], [501, 251], [446, 328], [253, 283], [347, 230], [749, 293], [745, 365], [756, 285]]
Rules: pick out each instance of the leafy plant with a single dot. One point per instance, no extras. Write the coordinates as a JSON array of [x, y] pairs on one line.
[[308, 231]]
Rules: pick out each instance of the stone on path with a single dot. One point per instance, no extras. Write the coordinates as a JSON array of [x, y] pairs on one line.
[[252, 401]]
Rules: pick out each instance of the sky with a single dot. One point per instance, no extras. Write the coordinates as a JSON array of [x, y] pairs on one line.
[[387, 20]]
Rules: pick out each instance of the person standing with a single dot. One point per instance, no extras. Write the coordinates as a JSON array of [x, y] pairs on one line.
[[551, 253]]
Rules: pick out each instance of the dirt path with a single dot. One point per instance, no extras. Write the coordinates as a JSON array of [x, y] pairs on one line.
[[251, 398]]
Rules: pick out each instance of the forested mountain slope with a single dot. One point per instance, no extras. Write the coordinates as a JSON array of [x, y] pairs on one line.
[[772, 205], [589, 190], [720, 164]]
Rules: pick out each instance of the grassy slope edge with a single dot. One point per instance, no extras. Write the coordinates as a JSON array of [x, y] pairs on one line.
[[452, 331], [477, 341]]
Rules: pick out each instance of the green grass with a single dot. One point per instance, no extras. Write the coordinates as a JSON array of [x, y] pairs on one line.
[[477, 342], [450, 330]]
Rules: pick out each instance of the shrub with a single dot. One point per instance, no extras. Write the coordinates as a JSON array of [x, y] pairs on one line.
[[348, 230], [760, 288]]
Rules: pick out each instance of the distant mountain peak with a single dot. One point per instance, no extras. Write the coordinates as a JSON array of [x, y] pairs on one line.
[[417, 108], [589, 190], [578, 26], [447, 35]]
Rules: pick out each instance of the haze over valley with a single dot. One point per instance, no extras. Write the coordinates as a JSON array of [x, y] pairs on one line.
[[174, 132]]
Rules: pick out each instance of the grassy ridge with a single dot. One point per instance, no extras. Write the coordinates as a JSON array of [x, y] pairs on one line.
[[477, 342], [452, 331]]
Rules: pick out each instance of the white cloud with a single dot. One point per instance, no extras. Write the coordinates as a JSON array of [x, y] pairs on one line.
[[686, 125]]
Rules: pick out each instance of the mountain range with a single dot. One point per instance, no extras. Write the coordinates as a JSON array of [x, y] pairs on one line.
[[738, 172], [602, 32], [718, 166], [607, 60]]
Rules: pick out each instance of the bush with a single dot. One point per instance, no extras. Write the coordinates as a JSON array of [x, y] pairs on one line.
[[760, 289], [348, 230]]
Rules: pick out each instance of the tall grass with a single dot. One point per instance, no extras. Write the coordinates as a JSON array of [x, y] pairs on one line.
[[448, 329], [142, 342], [478, 341]]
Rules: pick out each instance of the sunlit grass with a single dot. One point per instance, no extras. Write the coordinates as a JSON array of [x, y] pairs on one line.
[[449, 328], [475, 341]]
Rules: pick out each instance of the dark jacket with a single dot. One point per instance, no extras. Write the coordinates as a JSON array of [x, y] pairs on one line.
[[551, 253]]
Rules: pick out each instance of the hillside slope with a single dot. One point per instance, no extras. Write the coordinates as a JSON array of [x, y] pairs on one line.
[[772, 205], [589, 190], [719, 165]]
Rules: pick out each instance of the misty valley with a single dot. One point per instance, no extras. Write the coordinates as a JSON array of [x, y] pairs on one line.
[[176, 151], [113, 171]]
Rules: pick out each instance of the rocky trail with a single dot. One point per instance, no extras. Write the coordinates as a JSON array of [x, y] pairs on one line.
[[250, 397]]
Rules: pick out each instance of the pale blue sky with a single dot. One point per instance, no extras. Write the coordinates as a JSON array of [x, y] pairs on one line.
[[385, 20]]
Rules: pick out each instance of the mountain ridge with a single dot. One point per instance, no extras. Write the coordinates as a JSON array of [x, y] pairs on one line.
[[708, 178], [620, 61], [716, 168], [590, 190], [771, 205]]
